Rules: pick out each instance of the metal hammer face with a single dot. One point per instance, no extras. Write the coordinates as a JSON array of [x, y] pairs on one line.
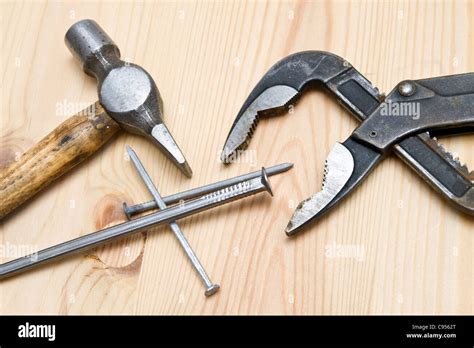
[[126, 91]]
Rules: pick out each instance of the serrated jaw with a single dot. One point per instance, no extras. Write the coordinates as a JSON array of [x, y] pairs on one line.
[[338, 169], [273, 98]]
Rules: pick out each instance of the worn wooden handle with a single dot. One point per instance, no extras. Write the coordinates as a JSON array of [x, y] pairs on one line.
[[69, 144]]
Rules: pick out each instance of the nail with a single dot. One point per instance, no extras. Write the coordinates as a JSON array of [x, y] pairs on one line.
[[196, 192], [229, 194]]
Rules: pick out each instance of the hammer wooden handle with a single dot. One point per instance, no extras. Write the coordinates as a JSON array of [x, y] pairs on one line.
[[69, 144]]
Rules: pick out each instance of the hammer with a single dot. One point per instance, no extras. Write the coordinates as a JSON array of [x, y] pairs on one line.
[[128, 99]]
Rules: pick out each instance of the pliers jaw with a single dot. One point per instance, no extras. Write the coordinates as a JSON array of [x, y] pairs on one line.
[[285, 82], [338, 169], [274, 99]]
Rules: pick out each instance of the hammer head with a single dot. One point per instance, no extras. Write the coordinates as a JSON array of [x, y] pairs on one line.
[[126, 91]]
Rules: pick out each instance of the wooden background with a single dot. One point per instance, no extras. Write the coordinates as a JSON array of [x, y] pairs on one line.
[[416, 251]]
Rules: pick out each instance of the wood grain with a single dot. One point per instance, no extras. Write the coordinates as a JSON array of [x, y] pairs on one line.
[[393, 247]]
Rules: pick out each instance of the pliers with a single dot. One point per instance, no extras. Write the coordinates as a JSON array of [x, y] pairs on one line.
[[408, 121]]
